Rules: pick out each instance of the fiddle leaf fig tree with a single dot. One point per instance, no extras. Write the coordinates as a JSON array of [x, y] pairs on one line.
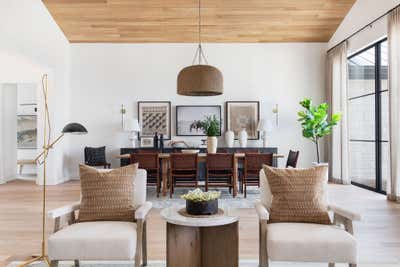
[[315, 123]]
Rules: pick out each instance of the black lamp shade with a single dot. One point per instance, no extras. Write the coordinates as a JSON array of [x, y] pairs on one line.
[[74, 128]]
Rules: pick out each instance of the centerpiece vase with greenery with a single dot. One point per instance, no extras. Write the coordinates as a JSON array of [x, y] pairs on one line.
[[201, 203], [315, 123], [210, 127]]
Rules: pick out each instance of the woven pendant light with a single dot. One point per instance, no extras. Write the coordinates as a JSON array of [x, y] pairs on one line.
[[200, 79]]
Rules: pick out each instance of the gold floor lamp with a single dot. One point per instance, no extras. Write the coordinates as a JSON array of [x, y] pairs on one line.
[[71, 128]]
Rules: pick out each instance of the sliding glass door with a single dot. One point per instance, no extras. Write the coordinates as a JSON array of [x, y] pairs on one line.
[[368, 117]]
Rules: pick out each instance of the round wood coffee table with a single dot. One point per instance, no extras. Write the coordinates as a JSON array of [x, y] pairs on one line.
[[201, 241]]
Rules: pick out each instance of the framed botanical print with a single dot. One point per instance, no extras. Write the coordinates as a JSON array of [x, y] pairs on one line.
[[243, 114], [154, 117], [188, 119], [26, 132]]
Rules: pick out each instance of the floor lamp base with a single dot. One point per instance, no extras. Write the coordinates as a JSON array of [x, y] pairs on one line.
[[43, 258]]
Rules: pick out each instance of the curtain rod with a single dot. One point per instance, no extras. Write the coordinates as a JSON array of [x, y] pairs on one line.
[[363, 28]]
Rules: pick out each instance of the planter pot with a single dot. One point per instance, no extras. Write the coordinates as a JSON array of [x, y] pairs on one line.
[[229, 138], [202, 208], [322, 164], [212, 143], [243, 138]]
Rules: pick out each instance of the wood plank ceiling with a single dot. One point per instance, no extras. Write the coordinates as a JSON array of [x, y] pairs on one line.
[[176, 21]]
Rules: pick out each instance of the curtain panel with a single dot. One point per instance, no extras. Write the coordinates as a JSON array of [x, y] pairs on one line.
[[393, 190], [338, 145]]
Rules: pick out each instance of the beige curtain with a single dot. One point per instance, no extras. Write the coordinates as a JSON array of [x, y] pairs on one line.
[[393, 189], [338, 148]]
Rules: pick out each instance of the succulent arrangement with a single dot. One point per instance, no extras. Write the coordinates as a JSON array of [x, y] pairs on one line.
[[198, 195]]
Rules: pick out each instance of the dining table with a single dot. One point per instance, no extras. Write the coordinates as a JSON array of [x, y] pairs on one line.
[[165, 161]]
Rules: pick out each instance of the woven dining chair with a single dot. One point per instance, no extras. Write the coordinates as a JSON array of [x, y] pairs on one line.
[[150, 162], [219, 170], [253, 163], [183, 171]]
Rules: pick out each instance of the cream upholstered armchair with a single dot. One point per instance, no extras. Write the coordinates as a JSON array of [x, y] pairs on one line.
[[305, 242], [101, 240]]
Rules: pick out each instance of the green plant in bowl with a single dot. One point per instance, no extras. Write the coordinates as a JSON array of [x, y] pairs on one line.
[[198, 195]]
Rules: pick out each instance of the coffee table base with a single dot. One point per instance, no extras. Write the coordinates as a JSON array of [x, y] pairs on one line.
[[189, 246]]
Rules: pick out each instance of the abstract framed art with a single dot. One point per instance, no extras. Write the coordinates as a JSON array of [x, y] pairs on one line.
[[243, 114], [26, 132], [154, 117], [188, 118]]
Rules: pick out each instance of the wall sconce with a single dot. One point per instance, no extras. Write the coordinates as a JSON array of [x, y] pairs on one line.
[[275, 110], [123, 112]]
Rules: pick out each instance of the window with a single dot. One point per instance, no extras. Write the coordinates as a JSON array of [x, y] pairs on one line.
[[368, 117]]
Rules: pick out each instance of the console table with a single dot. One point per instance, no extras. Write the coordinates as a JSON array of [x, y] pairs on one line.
[[202, 241]]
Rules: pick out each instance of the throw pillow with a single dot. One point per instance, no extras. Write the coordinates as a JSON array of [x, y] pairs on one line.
[[107, 196], [298, 195]]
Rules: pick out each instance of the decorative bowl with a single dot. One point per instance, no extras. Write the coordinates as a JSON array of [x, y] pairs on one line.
[[209, 207]]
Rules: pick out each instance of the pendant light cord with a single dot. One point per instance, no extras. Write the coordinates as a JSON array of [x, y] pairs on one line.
[[199, 52]]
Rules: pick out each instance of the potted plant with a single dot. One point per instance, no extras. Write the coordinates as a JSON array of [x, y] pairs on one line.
[[210, 127], [201, 203], [315, 123]]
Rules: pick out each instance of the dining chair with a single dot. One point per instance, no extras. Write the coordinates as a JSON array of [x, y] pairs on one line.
[[96, 157], [183, 171], [253, 163], [149, 162], [219, 170], [241, 164], [292, 159]]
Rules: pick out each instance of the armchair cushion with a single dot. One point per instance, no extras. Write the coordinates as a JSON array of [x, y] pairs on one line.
[[310, 243], [298, 194], [107, 240], [107, 196]]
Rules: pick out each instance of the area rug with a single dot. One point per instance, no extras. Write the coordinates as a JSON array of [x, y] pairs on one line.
[[243, 263], [226, 199]]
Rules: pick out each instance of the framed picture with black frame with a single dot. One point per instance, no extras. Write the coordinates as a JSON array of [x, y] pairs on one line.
[[243, 114], [188, 118], [154, 117]]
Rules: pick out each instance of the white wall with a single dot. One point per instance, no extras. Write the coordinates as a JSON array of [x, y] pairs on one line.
[[8, 131], [104, 76], [31, 44], [362, 13]]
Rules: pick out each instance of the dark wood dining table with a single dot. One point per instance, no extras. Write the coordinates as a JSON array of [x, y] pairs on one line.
[[165, 161]]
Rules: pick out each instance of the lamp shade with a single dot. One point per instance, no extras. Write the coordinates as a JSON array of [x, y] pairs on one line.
[[264, 125], [74, 128], [132, 125], [200, 80]]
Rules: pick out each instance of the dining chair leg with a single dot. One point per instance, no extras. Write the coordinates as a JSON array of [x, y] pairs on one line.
[[171, 187], [76, 263], [206, 188], [331, 264]]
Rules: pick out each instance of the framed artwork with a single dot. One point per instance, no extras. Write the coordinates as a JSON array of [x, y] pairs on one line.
[[154, 116], [188, 118], [146, 142], [26, 131], [243, 114]]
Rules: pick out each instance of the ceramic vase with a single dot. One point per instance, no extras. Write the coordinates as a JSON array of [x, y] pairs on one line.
[[243, 138], [229, 138], [212, 143]]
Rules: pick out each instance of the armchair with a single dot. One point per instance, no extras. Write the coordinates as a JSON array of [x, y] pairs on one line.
[[101, 240], [305, 242]]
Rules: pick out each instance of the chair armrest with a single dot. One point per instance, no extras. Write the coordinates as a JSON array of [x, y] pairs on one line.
[[59, 212], [143, 210], [262, 211], [348, 214]]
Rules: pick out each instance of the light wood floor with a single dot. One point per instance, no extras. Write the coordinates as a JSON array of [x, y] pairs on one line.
[[20, 222]]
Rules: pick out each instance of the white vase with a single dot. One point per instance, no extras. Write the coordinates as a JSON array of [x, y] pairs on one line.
[[243, 138], [212, 143], [229, 138]]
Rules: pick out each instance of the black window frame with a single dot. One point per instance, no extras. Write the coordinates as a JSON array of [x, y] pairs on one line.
[[378, 112]]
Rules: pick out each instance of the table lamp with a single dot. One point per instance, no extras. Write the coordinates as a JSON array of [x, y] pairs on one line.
[[264, 126], [132, 126]]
